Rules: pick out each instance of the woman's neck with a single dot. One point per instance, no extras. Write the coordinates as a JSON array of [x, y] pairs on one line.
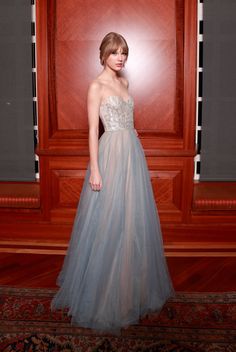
[[110, 75]]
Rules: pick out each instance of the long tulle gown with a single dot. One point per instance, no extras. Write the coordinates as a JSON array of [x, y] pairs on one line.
[[115, 270]]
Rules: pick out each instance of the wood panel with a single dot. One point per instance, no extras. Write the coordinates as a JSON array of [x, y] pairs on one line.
[[167, 187], [160, 99], [153, 44], [156, 43], [168, 177], [67, 186]]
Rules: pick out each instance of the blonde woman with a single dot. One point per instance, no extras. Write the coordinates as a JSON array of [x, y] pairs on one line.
[[115, 270]]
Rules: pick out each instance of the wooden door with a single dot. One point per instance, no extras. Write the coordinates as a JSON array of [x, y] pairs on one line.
[[70, 58]]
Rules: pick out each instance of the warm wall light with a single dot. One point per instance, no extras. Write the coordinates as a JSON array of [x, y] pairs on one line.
[[150, 30]]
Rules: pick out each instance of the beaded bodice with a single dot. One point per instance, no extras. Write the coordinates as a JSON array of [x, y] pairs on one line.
[[117, 113]]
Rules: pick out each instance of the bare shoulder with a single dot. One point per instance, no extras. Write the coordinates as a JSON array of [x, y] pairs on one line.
[[94, 87], [124, 81]]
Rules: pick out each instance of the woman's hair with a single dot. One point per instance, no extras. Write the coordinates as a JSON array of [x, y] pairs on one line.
[[110, 43]]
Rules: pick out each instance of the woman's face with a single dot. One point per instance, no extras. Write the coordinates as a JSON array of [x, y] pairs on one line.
[[116, 60]]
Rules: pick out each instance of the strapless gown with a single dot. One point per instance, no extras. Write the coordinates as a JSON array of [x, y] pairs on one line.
[[115, 270]]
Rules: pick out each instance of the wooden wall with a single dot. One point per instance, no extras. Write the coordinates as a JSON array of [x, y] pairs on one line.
[[162, 73]]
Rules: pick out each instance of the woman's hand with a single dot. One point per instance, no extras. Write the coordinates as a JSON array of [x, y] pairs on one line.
[[95, 181], [136, 132]]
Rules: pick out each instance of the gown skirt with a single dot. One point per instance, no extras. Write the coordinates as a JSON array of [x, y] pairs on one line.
[[115, 270]]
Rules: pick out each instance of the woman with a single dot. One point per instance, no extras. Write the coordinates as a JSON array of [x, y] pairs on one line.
[[115, 269]]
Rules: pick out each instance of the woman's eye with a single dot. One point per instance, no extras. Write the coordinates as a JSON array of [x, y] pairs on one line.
[[115, 53]]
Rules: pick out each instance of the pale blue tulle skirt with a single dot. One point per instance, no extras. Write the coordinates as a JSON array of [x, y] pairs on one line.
[[115, 270]]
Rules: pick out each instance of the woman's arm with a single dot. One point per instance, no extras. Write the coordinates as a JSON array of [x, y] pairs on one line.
[[93, 104]]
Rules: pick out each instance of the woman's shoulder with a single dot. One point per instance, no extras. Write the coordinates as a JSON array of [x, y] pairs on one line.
[[95, 88], [95, 85]]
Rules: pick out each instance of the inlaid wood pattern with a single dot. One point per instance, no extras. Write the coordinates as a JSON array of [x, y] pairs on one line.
[[67, 186], [188, 274], [66, 180], [154, 31], [167, 189]]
